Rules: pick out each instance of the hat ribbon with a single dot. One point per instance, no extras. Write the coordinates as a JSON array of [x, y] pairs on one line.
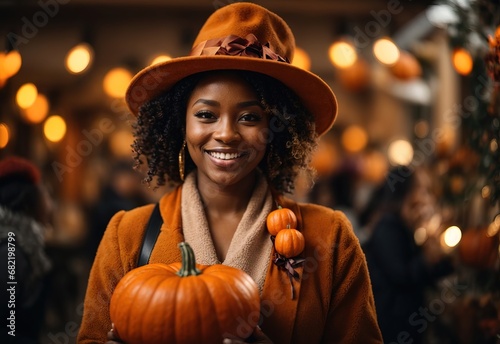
[[237, 46]]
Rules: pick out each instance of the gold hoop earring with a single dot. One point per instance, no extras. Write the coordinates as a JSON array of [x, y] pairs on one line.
[[182, 156]]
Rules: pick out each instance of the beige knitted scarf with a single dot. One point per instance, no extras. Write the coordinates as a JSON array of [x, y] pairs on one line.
[[250, 248]]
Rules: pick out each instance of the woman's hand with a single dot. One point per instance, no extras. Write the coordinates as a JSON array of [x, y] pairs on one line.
[[257, 337], [112, 337]]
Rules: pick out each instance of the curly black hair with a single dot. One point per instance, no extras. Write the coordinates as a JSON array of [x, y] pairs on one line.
[[160, 127]]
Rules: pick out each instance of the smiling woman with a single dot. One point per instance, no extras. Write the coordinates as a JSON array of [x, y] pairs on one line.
[[232, 125]]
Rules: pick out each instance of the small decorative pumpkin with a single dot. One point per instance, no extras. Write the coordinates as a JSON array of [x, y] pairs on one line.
[[184, 303], [406, 67], [478, 249], [355, 78], [279, 219], [289, 242]]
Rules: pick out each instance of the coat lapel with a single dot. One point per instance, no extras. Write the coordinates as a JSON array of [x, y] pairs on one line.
[[166, 249]]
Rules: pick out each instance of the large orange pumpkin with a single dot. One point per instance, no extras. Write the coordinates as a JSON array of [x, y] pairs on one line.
[[478, 249], [184, 303], [279, 219], [289, 242]]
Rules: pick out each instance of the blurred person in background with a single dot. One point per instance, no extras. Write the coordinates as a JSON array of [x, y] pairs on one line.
[[25, 208], [401, 270], [122, 191], [337, 191]]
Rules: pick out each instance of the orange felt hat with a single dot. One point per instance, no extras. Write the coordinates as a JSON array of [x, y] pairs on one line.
[[242, 36]]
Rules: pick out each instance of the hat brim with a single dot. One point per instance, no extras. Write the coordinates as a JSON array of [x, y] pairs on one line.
[[314, 93]]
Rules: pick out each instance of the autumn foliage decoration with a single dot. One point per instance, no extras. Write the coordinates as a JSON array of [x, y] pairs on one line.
[[184, 303]]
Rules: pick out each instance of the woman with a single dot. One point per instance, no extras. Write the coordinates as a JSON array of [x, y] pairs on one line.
[[401, 270], [233, 124]]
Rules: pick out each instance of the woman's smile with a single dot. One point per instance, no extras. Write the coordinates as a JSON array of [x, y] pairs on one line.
[[226, 160]]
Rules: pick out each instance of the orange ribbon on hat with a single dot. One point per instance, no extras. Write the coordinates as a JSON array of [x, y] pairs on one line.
[[237, 46]]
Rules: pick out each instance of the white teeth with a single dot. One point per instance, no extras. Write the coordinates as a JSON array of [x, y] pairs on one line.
[[224, 156]]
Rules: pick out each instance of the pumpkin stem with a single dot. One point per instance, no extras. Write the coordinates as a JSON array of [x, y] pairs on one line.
[[188, 267]]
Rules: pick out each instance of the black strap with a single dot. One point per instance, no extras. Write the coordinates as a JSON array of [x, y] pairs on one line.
[[150, 236]]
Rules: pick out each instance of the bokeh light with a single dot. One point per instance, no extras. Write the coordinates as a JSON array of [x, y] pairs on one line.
[[4, 135], [120, 143], [354, 139], [494, 227], [420, 235], [301, 59], [38, 111], [10, 63], [386, 51], [26, 95], [421, 129], [493, 145], [342, 54], [375, 166], [160, 59], [54, 128], [116, 82], [452, 236], [3, 73], [486, 191], [400, 152], [462, 61], [79, 58]]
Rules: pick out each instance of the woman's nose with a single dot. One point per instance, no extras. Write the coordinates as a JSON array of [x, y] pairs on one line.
[[226, 132]]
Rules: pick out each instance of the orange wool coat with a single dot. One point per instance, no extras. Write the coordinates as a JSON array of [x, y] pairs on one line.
[[333, 302]]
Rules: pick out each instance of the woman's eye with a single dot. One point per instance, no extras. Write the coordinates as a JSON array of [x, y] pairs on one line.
[[204, 115], [251, 117]]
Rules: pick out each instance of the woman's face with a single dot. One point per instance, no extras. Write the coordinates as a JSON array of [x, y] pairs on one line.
[[226, 129]]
